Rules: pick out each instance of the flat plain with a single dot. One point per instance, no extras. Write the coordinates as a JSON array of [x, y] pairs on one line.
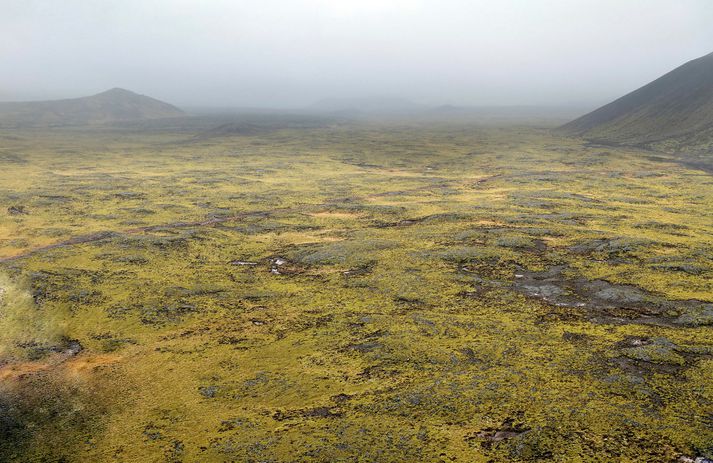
[[394, 291]]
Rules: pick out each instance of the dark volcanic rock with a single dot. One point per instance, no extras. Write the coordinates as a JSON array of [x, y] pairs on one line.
[[16, 210], [608, 302]]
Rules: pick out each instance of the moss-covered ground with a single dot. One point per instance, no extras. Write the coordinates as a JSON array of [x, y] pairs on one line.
[[363, 292]]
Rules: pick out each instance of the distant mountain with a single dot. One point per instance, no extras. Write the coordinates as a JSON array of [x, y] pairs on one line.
[[111, 106], [261, 123], [374, 105], [673, 113], [542, 115]]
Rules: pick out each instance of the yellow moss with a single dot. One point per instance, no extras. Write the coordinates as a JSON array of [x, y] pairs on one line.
[[392, 331]]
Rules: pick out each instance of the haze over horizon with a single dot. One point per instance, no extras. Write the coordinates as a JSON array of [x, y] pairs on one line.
[[229, 53]]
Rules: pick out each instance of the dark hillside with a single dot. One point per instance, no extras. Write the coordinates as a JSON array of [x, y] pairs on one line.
[[672, 113]]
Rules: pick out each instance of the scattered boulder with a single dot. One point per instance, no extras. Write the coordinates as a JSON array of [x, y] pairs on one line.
[[316, 412], [321, 412], [209, 392], [641, 357], [65, 347], [276, 263], [700, 315], [282, 266], [365, 346], [73, 347], [652, 350], [17, 210], [685, 459], [243, 263], [507, 430], [509, 433], [611, 247]]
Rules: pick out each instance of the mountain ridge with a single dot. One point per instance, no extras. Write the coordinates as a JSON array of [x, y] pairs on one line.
[[672, 113], [113, 105]]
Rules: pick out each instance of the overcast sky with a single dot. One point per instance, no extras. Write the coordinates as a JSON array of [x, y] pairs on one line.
[[289, 53]]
